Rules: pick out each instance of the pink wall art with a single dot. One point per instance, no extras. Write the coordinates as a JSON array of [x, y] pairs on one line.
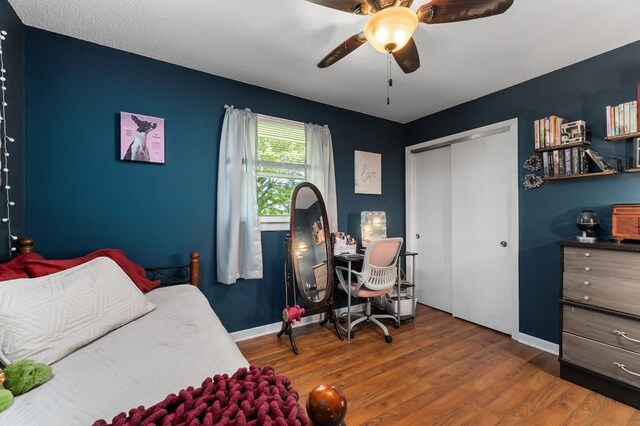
[[141, 138]]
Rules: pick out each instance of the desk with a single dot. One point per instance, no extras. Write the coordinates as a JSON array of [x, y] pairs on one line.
[[404, 284], [348, 258], [401, 284]]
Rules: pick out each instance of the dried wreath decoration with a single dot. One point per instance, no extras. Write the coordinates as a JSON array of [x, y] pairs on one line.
[[532, 181], [533, 163]]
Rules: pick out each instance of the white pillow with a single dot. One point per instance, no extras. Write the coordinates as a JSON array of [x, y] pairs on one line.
[[47, 318]]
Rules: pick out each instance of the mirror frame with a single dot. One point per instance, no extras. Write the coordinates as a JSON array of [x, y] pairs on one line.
[[327, 242]]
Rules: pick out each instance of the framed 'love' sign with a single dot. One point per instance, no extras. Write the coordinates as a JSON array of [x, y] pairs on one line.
[[368, 172]]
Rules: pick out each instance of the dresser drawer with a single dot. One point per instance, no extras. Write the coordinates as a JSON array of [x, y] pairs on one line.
[[616, 331], [612, 264], [611, 293], [602, 358]]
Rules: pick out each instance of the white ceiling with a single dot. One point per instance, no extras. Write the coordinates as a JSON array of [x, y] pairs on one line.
[[277, 43]]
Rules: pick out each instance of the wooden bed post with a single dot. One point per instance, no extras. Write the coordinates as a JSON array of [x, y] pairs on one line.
[[25, 245], [195, 268]]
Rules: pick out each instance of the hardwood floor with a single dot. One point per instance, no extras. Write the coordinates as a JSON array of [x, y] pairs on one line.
[[438, 370]]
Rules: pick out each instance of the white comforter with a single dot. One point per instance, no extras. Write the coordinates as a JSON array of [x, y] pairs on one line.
[[175, 346]]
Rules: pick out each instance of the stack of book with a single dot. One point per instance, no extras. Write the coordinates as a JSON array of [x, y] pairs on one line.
[[572, 161], [565, 162], [547, 132], [622, 119]]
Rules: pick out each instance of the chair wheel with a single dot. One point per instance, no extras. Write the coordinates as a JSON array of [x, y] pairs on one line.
[[388, 339], [396, 325]]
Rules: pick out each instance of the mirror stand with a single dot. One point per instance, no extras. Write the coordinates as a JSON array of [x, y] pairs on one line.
[[290, 298], [287, 323], [309, 262]]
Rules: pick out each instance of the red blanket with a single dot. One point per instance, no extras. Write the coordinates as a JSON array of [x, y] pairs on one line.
[[254, 396]]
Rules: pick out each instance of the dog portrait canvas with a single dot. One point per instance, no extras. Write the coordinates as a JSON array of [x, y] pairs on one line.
[[141, 138]]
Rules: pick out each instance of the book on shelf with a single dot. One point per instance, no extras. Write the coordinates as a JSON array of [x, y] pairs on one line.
[[598, 160], [565, 162], [547, 132], [622, 118]]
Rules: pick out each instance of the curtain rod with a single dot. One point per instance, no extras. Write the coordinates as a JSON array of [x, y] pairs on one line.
[[270, 117]]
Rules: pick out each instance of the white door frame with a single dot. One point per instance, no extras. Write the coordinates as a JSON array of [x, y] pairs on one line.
[[510, 126]]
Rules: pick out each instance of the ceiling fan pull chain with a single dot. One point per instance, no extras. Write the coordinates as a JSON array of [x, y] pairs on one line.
[[389, 79]]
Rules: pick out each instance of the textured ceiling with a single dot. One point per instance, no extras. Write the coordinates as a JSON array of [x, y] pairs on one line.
[[277, 43]]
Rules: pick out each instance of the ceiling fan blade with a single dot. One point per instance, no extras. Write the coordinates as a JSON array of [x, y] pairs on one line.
[[443, 11], [378, 5], [359, 7], [346, 47], [407, 57]]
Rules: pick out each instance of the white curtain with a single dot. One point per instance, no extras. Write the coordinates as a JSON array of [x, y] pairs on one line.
[[320, 169], [239, 249]]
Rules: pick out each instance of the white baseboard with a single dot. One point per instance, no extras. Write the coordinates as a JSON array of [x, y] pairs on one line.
[[273, 328], [543, 345]]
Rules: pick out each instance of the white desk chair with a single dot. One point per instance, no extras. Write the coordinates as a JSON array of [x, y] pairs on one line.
[[377, 278]]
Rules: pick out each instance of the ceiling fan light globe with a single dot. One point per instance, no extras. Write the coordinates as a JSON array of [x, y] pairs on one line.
[[391, 26], [400, 38], [382, 35]]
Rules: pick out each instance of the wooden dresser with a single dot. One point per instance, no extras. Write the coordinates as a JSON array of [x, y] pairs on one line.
[[600, 318]]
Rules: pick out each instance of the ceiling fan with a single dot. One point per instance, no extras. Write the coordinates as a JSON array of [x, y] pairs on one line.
[[392, 23]]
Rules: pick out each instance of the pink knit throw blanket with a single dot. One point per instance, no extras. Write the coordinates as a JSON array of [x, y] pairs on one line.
[[253, 396]]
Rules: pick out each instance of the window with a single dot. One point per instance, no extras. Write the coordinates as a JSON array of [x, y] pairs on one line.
[[280, 167]]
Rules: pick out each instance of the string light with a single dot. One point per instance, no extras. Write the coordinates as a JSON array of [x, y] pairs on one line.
[[4, 138]]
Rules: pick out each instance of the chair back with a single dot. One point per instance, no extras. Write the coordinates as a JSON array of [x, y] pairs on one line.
[[380, 266]]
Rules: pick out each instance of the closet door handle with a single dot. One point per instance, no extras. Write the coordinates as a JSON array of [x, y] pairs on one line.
[[623, 334], [622, 366]]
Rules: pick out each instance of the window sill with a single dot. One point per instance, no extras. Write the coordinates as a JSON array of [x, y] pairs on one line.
[[274, 224]]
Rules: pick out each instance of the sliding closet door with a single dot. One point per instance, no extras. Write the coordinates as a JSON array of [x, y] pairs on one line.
[[484, 230], [432, 227], [462, 219]]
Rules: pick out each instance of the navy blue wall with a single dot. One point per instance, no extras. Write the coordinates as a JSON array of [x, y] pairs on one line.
[[13, 53], [80, 197], [547, 214]]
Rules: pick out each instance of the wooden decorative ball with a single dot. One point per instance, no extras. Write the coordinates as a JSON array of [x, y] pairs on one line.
[[326, 406]]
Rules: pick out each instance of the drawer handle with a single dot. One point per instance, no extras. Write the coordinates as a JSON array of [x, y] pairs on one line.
[[587, 254], [586, 268], [586, 283], [622, 366], [586, 298], [623, 334]]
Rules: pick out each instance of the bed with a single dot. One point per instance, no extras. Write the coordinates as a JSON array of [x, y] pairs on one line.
[[139, 363]]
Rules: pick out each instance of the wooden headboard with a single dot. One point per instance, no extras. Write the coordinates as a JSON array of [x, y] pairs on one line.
[[173, 274]]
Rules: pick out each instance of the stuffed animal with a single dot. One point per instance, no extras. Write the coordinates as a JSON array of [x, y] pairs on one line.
[[20, 377], [292, 314]]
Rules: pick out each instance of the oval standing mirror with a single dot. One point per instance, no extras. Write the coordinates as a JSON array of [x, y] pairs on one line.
[[311, 246]]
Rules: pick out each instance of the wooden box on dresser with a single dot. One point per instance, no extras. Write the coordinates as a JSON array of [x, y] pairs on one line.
[[600, 318]]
